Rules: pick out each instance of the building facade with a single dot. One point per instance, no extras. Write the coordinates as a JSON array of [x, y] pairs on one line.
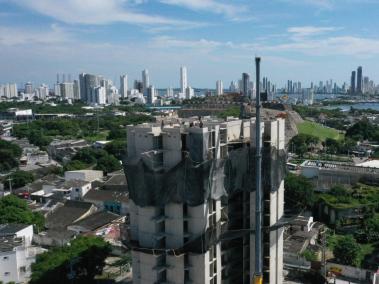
[[183, 79], [192, 197], [124, 86]]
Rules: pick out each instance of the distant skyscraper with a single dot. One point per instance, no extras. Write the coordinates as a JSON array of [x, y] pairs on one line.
[[190, 93], [352, 83], [13, 90], [138, 85], [87, 85], [42, 92], [151, 95], [100, 97], [183, 79], [112, 96], [245, 84], [28, 88], [8, 90], [359, 80], [76, 90], [366, 84], [67, 90], [233, 86], [145, 80], [124, 86], [82, 86], [219, 88], [170, 93]]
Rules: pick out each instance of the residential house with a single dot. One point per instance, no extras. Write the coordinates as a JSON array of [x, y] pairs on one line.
[[111, 200], [16, 252]]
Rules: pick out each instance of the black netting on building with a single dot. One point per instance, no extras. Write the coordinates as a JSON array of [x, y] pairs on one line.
[[193, 182]]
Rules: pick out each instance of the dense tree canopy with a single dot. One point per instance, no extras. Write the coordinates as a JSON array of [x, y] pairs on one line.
[[339, 146], [97, 158], [19, 179], [41, 132], [107, 164], [302, 143], [299, 192], [117, 148], [9, 155], [346, 250], [363, 130], [86, 256], [15, 210]]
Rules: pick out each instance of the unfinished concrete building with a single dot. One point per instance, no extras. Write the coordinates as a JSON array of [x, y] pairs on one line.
[[192, 198]]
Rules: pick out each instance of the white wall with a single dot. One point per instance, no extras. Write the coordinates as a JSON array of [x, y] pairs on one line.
[[8, 264], [174, 225], [86, 175], [26, 234], [77, 193]]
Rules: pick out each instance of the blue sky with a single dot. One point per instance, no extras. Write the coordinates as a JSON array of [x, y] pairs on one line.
[[305, 40]]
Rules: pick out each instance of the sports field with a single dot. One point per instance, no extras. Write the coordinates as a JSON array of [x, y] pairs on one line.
[[318, 130]]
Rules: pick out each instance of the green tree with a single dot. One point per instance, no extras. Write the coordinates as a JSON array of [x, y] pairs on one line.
[[299, 192], [10, 153], [117, 133], [116, 148], [19, 179], [16, 210], [372, 228], [108, 164], [309, 255], [75, 165], [86, 256], [302, 143], [338, 190], [232, 111], [346, 250], [86, 155], [363, 130]]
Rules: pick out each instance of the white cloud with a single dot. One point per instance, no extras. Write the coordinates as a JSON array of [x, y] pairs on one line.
[[310, 30], [170, 42], [321, 4], [96, 12], [340, 45], [231, 11], [16, 36]]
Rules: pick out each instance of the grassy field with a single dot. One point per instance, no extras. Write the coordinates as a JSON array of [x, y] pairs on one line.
[[318, 130]]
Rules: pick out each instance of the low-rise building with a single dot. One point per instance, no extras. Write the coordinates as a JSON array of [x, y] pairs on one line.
[[86, 175], [16, 252], [60, 218], [300, 234], [110, 200], [327, 174], [64, 150]]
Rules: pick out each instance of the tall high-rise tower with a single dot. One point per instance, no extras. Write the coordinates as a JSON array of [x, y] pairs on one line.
[[245, 84], [352, 83], [124, 86], [192, 197], [28, 88], [219, 88], [359, 80], [145, 80], [183, 79]]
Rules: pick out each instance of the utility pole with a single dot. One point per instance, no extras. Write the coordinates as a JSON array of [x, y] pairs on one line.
[[10, 184], [258, 276], [323, 251]]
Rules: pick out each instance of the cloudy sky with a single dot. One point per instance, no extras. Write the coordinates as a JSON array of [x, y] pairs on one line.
[[306, 40]]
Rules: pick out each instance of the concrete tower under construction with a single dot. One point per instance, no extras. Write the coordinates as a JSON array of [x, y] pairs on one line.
[[192, 200]]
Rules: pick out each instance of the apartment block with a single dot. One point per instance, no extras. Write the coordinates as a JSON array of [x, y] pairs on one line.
[[192, 196]]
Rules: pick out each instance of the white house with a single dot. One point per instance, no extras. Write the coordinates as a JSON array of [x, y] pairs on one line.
[[16, 252], [86, 175]]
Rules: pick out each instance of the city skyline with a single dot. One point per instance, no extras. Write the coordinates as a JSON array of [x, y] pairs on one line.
[[216, 40]]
